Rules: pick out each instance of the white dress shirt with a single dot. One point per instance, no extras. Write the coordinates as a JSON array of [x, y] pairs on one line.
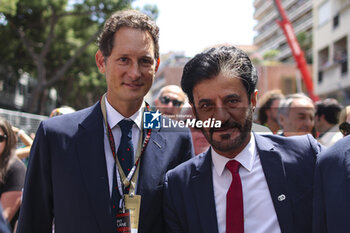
[[113, 118], [259, 213]]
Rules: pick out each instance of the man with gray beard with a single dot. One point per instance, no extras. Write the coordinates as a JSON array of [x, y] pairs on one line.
[[245, 182]]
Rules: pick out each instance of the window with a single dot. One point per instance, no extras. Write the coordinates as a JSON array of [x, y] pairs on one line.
[[324, 13], [320, 76], [336, 21]]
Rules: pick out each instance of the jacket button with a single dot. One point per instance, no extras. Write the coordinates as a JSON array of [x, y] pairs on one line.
[[281, 197]]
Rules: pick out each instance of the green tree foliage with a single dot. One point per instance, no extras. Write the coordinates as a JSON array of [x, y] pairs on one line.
[[54, 41], [8, 6], [270, 56], [305, 42]]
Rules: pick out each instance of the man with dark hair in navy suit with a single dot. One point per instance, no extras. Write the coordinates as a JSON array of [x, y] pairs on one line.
[[98, 170], [332, 189], [245, 182]]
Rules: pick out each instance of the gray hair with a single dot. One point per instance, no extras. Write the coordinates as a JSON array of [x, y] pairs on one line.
[[284, 106]]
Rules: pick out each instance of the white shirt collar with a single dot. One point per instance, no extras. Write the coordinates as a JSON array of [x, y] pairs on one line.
[[246, 157], [113, 116]]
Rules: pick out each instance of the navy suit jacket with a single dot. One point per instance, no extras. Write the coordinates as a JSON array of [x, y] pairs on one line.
[[288, 165], [67, 176], [332, 189]]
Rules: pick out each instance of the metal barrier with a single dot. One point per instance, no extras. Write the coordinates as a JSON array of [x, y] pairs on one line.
[[25, 121]]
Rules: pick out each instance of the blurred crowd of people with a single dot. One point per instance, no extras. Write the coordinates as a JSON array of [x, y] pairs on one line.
[[296, 114]]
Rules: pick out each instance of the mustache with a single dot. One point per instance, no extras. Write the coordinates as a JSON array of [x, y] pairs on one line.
[[227, 125]]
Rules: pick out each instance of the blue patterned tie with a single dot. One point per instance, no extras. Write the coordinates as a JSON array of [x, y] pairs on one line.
[[126, 151]]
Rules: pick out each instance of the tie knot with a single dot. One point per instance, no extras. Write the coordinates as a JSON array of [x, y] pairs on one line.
[[125, 126], [233, 166]]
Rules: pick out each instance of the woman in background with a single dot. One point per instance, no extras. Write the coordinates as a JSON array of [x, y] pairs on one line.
[[12, 173]]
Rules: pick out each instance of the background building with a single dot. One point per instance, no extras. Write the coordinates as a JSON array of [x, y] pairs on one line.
[[331, 49], [270, 36], [169, 73], [275, 63], [285, 77]]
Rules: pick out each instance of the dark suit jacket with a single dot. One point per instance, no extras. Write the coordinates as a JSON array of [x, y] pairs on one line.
[[332, 189], [288, 165], [67, 176]]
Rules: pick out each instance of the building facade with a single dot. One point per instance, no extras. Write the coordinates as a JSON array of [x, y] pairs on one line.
[[331, 49], [169, 73], [270, 36]]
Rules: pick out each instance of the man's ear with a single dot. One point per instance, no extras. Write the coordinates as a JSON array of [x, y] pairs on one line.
[[254, 98], [157, 65], [100, 61]]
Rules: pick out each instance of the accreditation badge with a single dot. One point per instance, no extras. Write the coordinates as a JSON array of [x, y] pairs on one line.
[[123, 221], [133, 204]]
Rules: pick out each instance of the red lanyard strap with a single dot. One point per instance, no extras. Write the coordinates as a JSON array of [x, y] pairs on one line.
[[126, 180]]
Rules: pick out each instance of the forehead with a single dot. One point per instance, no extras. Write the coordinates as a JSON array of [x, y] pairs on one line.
[[275, 103], [172, 93], [219, 87], [130, 40], [302, 106], [302, 103]]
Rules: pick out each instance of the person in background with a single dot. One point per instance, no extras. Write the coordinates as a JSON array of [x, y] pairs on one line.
[[296, 114], [344, 121], [90, 168], [268, 109], [245, 182], [170, 101], [23, 152], [61, 110], [326, 121], [12, 173], [332, 189]]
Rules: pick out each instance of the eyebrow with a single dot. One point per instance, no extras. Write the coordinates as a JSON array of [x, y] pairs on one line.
[[304, 114], [233, 96], [226, 97], [204, 101], [148, 56]]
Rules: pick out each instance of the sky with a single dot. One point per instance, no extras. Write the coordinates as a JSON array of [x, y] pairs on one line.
[[190, 26]]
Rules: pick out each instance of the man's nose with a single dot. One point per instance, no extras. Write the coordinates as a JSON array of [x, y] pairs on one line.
[[221, 114], [170, 103], [134, 71]]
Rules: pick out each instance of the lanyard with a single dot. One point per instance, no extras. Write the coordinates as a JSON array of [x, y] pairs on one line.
[[131, 179]]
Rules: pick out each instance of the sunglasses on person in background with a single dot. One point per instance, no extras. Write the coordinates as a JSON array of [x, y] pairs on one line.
[[167, 100], [344, 128], [3, 138]]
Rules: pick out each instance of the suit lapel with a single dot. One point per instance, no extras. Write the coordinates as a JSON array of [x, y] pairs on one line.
[[202, 183], [151, 170], [91, 155], [273, 168]]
